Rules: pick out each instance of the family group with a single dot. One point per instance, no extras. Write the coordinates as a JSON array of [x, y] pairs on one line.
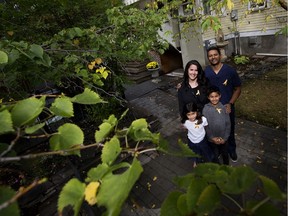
[[206, 105]]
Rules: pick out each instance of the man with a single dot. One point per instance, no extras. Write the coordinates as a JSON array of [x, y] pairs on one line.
[[227, 80]]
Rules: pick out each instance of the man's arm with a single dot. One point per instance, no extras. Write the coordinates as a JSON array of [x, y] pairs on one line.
[[236, 94]]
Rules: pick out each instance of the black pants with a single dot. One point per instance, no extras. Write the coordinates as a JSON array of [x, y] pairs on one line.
[[231, 140], [220, 152]]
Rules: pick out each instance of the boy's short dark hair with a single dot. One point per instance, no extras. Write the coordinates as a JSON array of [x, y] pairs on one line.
[[212, 89]]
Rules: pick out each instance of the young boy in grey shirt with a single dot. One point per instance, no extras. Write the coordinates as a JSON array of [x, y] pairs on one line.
[[218, 128]]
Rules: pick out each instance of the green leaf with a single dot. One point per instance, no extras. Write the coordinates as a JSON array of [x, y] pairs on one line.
[[266, 209], [115, 189], [68, 136], [87, 97], [74, 32], [13, 56], [110, 151], [3, 57], [26, 111], [37, 50], [34, 128], [6, 194], [169, 206], [184, 181], [5, 122], [238, 181], [196, 187], [139, 124], [271, 189], [206, 169], [139, 131], [209, 200], [83, 73], [111, 120], [95, 174], [46, 60], [164, 146], [104, 130], [185, 150], [62, 107], [182, 204], [72, 194]]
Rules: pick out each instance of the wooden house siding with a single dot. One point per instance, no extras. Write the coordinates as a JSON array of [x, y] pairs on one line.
[[253, 24]]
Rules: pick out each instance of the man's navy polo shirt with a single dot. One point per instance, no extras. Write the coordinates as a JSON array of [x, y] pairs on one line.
[[226, 80]]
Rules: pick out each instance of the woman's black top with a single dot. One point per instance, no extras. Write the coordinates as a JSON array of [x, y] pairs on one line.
[[197, 95]]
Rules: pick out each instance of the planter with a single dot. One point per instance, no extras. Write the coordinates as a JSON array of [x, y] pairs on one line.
[[154, 72]]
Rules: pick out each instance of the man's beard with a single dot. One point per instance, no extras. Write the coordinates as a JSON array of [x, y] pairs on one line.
[[214, 64]]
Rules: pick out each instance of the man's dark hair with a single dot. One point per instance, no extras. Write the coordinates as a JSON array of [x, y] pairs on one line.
[[213, 48]]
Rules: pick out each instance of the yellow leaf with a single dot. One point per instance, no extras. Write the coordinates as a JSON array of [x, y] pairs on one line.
[[76, 41], [91, 65], [100, 70], [91, 191], [230, 4], [98, 61], [10, 33], [105, 74]]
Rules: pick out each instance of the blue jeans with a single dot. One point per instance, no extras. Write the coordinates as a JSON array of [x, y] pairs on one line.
[[202, 149]]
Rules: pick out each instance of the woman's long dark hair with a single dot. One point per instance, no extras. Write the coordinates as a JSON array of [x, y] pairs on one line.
[[201, 79]]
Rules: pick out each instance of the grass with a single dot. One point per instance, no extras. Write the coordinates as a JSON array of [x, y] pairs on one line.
[[264, 99]]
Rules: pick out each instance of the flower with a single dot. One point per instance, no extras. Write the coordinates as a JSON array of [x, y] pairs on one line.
[[152, 65]]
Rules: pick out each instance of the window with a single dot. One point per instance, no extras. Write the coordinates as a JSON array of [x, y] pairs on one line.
[[254, 6], [218, 7], [187, 9]]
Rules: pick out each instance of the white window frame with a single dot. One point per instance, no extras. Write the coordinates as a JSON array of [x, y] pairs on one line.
[[254, 6]]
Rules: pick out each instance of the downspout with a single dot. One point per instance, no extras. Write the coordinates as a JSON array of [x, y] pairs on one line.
[[237, 45]]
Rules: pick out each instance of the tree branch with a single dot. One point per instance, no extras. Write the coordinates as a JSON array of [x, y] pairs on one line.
[[20, 193], [60, 152]]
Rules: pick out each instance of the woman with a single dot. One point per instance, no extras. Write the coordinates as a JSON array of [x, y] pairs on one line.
[[193, 88]]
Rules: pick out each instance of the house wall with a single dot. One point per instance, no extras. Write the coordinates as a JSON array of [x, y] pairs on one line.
[[256, 31], [251, 33], [259, 44], [192, 45]]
